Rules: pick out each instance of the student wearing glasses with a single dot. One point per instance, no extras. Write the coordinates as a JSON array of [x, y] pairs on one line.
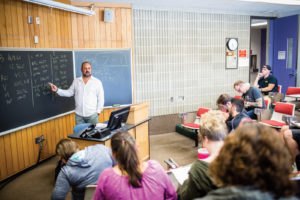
[[252, 97]]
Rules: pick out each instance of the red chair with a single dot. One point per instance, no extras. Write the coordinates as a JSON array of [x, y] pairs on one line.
[[237, 97], [292, 90], [279, 88], [196, 125], [280, 110]]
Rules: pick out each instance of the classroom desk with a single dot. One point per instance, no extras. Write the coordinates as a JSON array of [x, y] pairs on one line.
[[139, 131], [296, 96]]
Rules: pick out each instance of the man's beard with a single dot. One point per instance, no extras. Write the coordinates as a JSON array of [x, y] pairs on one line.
[[87, 75]]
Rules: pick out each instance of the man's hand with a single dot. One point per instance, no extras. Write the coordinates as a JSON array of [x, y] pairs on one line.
[[259, 75], [53, 87]]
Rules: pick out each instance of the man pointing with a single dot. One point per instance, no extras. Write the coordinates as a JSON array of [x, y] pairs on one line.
[[88, 93]]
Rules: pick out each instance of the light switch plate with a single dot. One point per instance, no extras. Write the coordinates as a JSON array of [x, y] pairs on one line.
[[29, 19], [36, 39]]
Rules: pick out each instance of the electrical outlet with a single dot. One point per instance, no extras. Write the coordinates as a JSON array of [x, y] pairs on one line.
[[37, 20], [29, 19], [39, 139]]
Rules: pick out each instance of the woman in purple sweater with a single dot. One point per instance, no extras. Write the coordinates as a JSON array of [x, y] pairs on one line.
[[133, 178]]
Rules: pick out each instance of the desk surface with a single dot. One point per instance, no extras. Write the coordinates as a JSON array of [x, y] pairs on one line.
[[124, 128]]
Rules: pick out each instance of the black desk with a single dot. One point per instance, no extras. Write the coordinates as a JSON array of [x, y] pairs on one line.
[[136, 130]]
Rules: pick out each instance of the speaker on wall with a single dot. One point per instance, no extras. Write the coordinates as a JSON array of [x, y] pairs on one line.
[[108, 15]]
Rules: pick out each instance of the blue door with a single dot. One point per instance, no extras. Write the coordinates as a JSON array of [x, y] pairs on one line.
[[285, 51]]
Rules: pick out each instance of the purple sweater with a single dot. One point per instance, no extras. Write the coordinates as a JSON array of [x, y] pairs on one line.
[[155, 185]]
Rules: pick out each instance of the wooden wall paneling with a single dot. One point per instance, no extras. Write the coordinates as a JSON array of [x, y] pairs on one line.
[[108, 34], [143, 140], [14, 152], [8, 19], [20, 148], [118, 28], [36, 27], [86, 30], [30, 26], [97, 28], [91, 20], [25, 148], [19, 6], [80, 31], [45, 150], [75, 42], [8, 154], [103, 37], [129, 28], [25, 24], [3, 169], [30, 145], [3, 34], [58, 30], [68, 30], [40, 27], [15, 28], [113, 30], [52, 136], [43, 13], [124, 26]]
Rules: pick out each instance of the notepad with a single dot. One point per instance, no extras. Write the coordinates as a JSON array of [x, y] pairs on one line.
[[181, 173]]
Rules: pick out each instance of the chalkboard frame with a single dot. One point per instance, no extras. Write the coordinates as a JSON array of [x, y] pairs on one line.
[[49, 118], [74, 76]]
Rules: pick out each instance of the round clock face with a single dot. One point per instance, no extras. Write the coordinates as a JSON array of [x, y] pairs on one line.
[[232, 44]]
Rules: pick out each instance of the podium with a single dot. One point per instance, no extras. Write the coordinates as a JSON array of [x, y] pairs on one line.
[[137, 125]]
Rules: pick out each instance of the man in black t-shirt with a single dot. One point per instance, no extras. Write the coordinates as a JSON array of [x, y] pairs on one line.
[[265, 81]]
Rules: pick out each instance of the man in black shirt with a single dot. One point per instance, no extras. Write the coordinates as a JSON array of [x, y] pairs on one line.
[[236, 114], [252, 97], [265, 81]]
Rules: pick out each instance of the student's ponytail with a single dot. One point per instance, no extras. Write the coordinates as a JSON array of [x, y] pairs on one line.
[[123, 148]]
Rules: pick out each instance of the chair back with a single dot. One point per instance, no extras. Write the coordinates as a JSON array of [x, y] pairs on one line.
[[281, 109], [279, 88], [201, 111], [237, 97], [80, 127], [267, 102], [293, 90], [89, 192]]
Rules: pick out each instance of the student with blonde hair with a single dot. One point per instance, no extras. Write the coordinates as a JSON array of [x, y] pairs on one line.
[[254, 164], [133, 178], [212, 130], [82, 168]]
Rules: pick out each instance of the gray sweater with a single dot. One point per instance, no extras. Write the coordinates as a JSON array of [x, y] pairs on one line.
[[82, 169]]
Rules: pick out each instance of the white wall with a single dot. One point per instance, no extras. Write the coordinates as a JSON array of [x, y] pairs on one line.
[[182, 54], [256, 45]]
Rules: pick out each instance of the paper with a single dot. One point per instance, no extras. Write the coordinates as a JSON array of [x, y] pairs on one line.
[[181, 173], [281, 55], [101, 125]]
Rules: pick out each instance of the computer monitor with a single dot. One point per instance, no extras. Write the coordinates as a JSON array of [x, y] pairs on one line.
[[117, 117]]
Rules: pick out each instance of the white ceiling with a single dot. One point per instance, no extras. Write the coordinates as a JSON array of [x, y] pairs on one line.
[[215, 6]]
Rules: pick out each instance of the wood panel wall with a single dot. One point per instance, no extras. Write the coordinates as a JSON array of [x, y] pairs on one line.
[[62, 30]]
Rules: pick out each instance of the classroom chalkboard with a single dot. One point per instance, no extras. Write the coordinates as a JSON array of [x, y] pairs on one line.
[[113, 68], [25, 96]]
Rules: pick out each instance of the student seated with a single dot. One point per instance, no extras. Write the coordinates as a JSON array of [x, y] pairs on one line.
[[252, 164], [133, 178], [223, 102], [82, 168], [236, 114], [213, 131]]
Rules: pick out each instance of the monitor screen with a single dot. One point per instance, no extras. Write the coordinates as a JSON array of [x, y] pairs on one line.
[[117, 117]]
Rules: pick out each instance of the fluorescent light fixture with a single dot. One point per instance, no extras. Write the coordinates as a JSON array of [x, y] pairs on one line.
[[259, 24], [284, 2], [62, 6]]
